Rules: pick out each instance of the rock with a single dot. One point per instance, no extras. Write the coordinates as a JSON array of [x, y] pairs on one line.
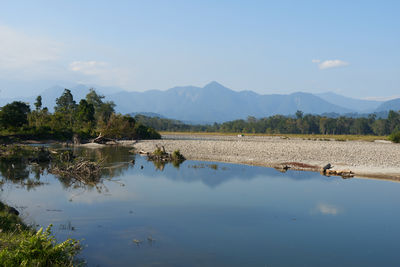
[[12, 211]]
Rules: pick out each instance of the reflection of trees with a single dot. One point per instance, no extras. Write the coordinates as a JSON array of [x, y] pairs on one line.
[[27, 173], [22, 173], [160, 165]]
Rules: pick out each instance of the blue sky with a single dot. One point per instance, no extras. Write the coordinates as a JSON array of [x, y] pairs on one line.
[[349, 47]]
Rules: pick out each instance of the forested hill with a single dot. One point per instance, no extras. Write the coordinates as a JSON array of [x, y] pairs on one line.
[[299, 124]]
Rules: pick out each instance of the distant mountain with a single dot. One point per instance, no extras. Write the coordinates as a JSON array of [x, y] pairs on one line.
[[359, 105], [393, 104], [216, 103]]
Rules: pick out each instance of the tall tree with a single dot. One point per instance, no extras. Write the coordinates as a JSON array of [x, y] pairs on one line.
[[103, 110], [66, 107], [38, 103], [65, 103]]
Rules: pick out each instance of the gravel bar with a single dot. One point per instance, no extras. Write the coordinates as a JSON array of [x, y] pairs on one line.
[[364, 159]]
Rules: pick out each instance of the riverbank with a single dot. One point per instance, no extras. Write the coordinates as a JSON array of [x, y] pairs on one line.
[[379, 159]]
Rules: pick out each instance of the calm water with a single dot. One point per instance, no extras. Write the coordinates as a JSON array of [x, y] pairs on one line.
[[213, 214]]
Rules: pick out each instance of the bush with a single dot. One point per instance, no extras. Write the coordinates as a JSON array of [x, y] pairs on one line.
[[177, 156], [37, 249], [22, 246], [395, 137]]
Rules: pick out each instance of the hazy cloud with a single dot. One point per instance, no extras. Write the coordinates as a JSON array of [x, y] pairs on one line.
[[381, 98], [26, 57], [327, 64], [20, 51], [101, 72]]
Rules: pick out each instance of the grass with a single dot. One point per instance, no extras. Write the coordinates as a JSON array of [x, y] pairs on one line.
[[21, 245], [322, 137]]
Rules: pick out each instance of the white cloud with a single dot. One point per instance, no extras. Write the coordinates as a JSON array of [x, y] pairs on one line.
[[89, 67], [327, 64], [19, 51]]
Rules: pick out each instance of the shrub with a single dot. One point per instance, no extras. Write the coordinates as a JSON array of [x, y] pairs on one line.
[[20, 245], [395, 137], [37, 249], [177, 156]]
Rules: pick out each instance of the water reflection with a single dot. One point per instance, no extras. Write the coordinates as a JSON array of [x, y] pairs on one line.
[[211, 214], [118, 161], [27, 174], [327, 209]]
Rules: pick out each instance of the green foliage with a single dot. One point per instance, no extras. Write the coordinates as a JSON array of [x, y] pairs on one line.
[[14, 114], [20, 245], [395, 137], [87, 120], [103, 110], [177, 156], [151, 134], [278, 124], [158, 152], [38, 103], [85, 112], [125, 127], [25, 248], [65, 103]]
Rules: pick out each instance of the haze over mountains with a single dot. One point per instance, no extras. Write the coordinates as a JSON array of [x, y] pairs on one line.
[[216, 103]]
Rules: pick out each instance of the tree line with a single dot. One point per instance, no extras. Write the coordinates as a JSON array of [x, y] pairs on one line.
[[279, 124], [89, 118]]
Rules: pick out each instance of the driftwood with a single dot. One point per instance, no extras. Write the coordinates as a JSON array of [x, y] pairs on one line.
[[103, 140], [326, 170], [76, 139], [82, 170]]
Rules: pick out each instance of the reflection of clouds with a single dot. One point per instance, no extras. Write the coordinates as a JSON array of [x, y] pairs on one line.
[[327, 209]]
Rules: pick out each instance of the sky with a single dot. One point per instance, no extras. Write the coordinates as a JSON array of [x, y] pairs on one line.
[[347, 47]]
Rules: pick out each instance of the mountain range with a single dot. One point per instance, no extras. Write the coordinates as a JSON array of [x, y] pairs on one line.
[[216, 103]]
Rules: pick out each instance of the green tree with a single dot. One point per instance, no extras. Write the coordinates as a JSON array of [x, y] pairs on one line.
[[66, 107], [65, 103], [103, 110], [84, 119], [299, 114], [85, 111], [38, 103], [14, 114]]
